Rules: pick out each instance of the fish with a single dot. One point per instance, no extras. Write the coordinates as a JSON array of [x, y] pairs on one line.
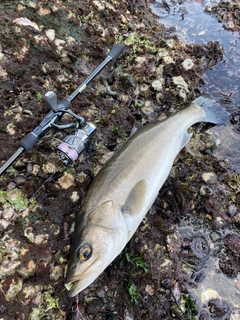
[[124, 190]]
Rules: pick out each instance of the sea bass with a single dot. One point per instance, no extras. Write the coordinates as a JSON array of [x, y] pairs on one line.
[[125, 189]]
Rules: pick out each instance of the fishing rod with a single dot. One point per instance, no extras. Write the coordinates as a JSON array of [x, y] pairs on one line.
[[71, 146]]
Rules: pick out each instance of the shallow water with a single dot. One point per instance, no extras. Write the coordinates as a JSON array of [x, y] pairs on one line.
[[225, 288], [194, 23], [214, 283]]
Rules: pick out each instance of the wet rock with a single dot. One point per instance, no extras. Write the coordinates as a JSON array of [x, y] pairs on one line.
[[228, 265], [49, 168], [11, 186], [176, 291], [28, 269], [167, 283], [158, 84], [209, 177], [50, 33], [148, 108], [232, 210], [187, 64], [60, 44], [144, 89], [19, 165], [74, 196], [28, 233], [140, 60], [41, 239], [29, 168], [95, 306], [204, 315], [128, 315], [235, 314], [35, 169], [168, 60], [237, 219], [127, 81], [195, 251], [11, 287], [105, 157], [180, 82], [182, 86], [101, 293], [8, 213], [218, 307], [56, 273], [218, 223], [26, 22], [1, 54], [3, 224], [66, 181], [198, 276], [150, 289], [215, 236], [208, 294], [20, 180], [2, 308], [232, 243], [170, 43], [81, 177]]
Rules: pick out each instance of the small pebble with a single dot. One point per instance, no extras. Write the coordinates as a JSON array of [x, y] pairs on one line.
[[29, 168], [209, 177], [187, 64], [11, 186], [215, 236], [8, 213], [20, 180], [19, 165], [218, 307], [232, 210], [101, 293], [149, 289], [235, 315]]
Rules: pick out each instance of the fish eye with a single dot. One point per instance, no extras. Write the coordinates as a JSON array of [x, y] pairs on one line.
[[84, 252]]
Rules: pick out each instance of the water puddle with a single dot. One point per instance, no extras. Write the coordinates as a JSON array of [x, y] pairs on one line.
[[195, 24], [214, 284]]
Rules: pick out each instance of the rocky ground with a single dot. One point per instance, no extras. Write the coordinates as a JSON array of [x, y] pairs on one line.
[[59, 45]]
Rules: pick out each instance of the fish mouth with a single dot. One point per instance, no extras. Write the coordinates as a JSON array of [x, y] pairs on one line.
[[78, 282], [74, 287]]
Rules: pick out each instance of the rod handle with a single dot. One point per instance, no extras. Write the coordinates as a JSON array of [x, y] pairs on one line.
[[29, 141], [116, 51]]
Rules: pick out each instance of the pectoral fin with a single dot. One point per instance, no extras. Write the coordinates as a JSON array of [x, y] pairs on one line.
[[185, 139], [136, 199]]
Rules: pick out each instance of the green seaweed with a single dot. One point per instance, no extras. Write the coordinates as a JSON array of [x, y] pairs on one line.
[[15, 197]]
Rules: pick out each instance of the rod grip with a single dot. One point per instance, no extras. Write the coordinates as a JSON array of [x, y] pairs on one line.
[[116, 51], [29, 141]]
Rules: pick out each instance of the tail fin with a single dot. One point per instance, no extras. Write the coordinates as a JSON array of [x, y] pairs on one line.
[[214, 112]]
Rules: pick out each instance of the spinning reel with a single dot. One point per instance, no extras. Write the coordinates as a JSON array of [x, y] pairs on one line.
[[72, 145]]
